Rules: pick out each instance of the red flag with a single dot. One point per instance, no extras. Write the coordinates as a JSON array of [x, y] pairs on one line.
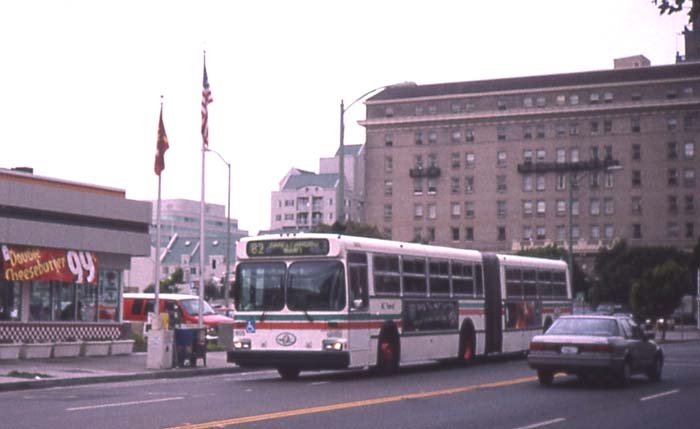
[[206, 99], [161, 146]]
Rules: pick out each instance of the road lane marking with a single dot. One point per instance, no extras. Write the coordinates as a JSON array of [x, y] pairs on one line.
[[542, 424], [354, 404], [124, 404], [659, 395]]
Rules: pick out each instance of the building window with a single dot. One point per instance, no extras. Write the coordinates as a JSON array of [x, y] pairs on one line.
[[454, 185], [636, 152], [561, 155], [456, 209], [561, 233], [527, 132], [469, 136], [573, 129], [456, 107], [636, 178], [501, 208], [418, 234], [501, 104], [672, 150], [671, 93], [527, 102], [594, 98], [671, 124], [419, 110], [672, 229], [456, 136], [609, 231], [607, 125], [469, 185], [637, 230], [689, 206], [432, 211], [527, 155], [608, 206], [388, 140], [541, 232], [541, 183], [574, 154], [541, 101], [469, 209], [388, 188], [573, 99], [418, 211], [419, 137], [469, 160], [689, 150], [574, 207], [418, 186], [594, 233], [432, 137], [501, 159], [541, 208], [431, 233], [561, 207], [560, 100], [595, 127], [432, 110], [501, 233], [672, 204], [635, 125], [609, 180], [636, 96], [575, 232], [388, 165], [455, 160], [540, 131], [595, 206], [541, 154], [389, 112], [501, 133], [636, 205], [560, 130], [469, 233], [455, 233], [501, 184], [595, 179], [527, 207], [672, 177], [388, 212], [432, 186], [527, 183], [607, 97], [432, 160], [560, 182], [527, 233], [689, 230], [689, 177]]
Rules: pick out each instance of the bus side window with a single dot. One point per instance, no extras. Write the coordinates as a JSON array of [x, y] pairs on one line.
[[357, 281]]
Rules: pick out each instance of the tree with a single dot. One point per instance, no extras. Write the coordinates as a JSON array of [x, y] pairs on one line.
[[668, 7], [659, 291], [618, 268], [168, 285], [211, 291], [350, 228], [581, 282]]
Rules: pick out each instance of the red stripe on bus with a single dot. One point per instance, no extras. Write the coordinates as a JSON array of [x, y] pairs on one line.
[[370, 324]]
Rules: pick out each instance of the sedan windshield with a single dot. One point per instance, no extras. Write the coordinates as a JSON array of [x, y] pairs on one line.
[[584, 326], [191, 306]]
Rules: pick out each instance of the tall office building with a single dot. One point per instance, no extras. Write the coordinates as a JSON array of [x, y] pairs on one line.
[[505, 164]]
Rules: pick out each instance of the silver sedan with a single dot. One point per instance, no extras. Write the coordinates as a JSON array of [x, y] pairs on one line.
[[595, 345]]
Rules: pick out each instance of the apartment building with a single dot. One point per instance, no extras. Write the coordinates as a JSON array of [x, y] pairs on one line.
[[505, 164], [306, 199]]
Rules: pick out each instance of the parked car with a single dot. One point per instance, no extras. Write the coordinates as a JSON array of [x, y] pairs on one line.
[[590, 345], [185, 308]]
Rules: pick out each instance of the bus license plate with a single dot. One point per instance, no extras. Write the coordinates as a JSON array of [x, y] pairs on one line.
[[568, 350]]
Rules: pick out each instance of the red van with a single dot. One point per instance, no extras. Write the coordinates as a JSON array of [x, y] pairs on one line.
[[137, 306]]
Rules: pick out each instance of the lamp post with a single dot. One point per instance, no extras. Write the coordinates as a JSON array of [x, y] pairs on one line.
[[228, 229], [340, 203], [574, 181]]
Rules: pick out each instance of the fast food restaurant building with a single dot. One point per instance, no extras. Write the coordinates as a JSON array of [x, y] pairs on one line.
[[63, 249]]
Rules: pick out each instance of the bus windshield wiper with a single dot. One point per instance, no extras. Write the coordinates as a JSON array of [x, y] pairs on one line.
[[306, 312]]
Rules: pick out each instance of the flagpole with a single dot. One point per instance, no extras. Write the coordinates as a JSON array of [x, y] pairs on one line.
[[156, 287], [201, 248]]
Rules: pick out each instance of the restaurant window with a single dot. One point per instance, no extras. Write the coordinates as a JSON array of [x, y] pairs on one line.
[[10, 301]]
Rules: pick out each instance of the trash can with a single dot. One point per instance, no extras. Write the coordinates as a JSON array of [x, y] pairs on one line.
[[189, 347]]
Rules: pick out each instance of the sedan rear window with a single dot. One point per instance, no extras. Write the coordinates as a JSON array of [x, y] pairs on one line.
[[585, 326]]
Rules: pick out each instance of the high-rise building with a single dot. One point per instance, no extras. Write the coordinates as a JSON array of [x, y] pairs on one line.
[[505, 164], [306, 199]]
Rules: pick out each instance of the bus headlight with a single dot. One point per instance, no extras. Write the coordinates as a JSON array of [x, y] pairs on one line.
[[334, 344], [241, 344]]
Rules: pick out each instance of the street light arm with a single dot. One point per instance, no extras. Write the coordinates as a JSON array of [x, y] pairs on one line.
[[219, 155], [395, 85]]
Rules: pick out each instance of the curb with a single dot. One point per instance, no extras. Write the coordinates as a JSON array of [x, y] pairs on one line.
[[76, 381]]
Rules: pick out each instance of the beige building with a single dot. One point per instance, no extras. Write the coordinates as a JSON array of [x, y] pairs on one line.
[[490, 164]]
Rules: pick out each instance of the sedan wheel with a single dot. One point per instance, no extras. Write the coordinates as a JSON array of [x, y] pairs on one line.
[[545, 377], [654, 372], [623, 377]]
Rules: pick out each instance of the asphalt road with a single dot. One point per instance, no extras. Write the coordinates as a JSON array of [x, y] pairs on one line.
[[493, 393]]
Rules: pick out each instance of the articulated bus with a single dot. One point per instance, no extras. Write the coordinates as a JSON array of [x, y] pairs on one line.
[[324, 301]]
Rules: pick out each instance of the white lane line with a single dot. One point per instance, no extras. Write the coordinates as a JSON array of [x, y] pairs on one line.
[[659, 395], [542, 424], [124, 404], [318, 383]]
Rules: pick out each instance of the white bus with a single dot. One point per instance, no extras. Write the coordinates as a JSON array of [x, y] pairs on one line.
[[324, 301]]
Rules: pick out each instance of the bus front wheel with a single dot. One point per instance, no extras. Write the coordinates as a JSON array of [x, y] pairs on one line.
[[388, 359]]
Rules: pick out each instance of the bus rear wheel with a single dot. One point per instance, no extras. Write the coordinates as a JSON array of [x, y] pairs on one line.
[[288, 372]]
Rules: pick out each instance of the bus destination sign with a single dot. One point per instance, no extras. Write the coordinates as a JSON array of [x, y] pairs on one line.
[[292, 247]]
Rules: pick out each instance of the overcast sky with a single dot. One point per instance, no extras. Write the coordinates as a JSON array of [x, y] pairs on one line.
[[81, 81]]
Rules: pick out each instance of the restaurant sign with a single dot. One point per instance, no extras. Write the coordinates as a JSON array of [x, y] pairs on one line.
[[25, 264]]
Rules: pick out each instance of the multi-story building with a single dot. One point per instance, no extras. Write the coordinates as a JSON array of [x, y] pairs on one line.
[[510, 163], [306, 199], [179, 244]]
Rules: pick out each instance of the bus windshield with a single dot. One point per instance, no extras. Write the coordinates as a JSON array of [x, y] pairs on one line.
[[309, 285], [316, 286]]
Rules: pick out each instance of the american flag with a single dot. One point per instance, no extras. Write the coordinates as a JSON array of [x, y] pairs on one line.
[[161, 146], [206, 99]]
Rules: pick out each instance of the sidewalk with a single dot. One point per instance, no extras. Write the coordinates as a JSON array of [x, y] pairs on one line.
[[41, 373]]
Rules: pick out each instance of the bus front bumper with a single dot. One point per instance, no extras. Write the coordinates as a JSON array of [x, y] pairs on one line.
[[310, 360]]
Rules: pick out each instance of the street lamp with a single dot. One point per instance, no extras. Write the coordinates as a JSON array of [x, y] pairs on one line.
[[228, 228], [574, 181], [340, 203]]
